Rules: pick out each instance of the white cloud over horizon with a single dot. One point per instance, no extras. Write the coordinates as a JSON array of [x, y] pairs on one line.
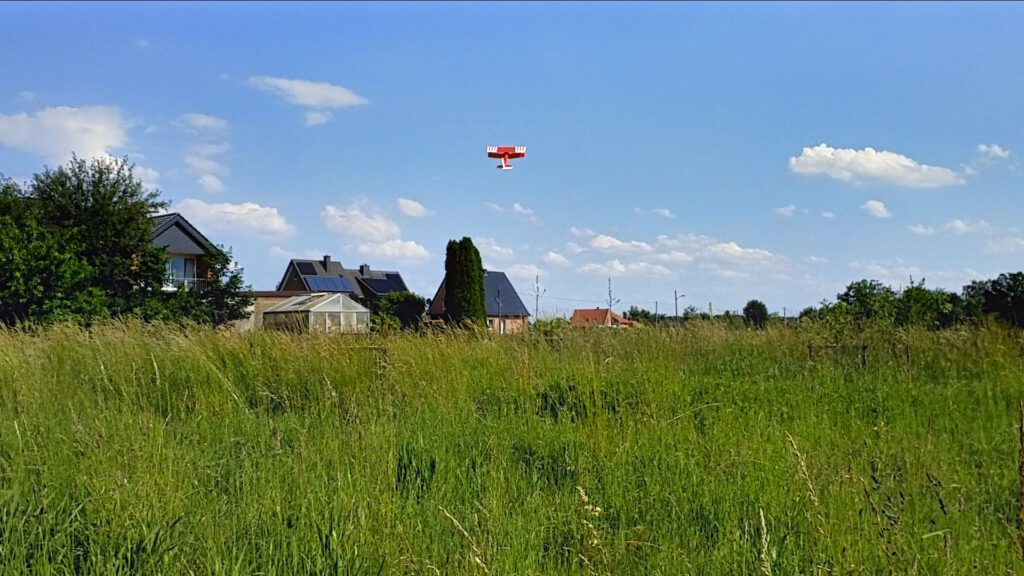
[[616, 267], [58, 132], [412, 208], [786, 211], [993, 151], [857, 166], [517, 210], [956, 227], [525, 271], [552, 257], [491, 249], [246, 218], [375, 233], [606, 243], [876, 209], [202, 123], [200, 159], [319, 98]]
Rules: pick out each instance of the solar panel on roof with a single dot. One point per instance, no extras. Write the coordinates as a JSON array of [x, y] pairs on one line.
[[380, 285], [329, 284], [306, 267], [395, 280]]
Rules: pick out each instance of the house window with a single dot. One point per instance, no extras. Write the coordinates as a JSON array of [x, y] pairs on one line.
[[181, 270]]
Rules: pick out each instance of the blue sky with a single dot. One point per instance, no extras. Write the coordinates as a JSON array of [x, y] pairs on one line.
[[726, 151]]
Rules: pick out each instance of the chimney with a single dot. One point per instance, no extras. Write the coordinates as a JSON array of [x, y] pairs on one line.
[[326, 261], [364, 269]]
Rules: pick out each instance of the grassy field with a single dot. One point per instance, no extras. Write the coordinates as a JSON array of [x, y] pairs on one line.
[[703, 450]]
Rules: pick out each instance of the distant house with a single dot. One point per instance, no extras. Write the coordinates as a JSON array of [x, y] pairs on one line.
[[362, 284], [506, 313], [188, 252], [599, 317]]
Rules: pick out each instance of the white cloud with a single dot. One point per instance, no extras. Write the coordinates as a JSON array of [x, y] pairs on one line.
[[786, 211], [523, 271], [675, 256], [395, 249], [581, 232], [895, 272], [816, 260], [663, 212], [855, 166], [721, 259], [555, 258], [149, 177], [202, 123], [961, 227], [517, 209], [611, 244], [876, 209], [317, 97], [354, 221], [828, 215], [618, 268], [245, 218], [317, 117], [521, 210], [279, 252], [734, 253], [1005, 245], [200, 160], [26, 96], [573, 248], [491, 249], [921, 230], [211, 183], [412, 208], [993, 151], [56, 133], [956, 226]]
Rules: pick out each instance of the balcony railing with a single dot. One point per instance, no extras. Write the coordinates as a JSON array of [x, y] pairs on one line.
[[188, 284]]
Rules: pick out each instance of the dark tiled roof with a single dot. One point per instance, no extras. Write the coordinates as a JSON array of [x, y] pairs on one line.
[[364, 280], [495, 283], [163, 222]]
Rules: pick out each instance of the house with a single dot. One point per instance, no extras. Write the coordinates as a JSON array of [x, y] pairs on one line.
[[363, 284], [599, 317], [188, 252], [506, 313]]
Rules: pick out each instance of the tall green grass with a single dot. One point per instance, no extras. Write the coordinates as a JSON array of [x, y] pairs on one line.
[[135, 449]]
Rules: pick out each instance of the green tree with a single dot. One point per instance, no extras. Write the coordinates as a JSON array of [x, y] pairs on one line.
[[644, 316], [105, 211], [401, 310], [219, 300], [870, 300], [464, 284], [42, 277], [755, 313], [1002, 297], [78, 244]]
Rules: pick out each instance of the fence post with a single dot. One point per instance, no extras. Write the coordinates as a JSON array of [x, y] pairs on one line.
[[1020, 470]]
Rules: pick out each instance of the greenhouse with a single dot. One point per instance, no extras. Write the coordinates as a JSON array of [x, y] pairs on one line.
[[326, 313]]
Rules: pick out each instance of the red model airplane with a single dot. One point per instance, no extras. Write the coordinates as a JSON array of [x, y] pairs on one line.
[[506, 153]]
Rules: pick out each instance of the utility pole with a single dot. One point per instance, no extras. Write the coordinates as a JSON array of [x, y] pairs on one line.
[[501, 327], [611, 301], [655, 312], [537, 294], [677, 296]]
